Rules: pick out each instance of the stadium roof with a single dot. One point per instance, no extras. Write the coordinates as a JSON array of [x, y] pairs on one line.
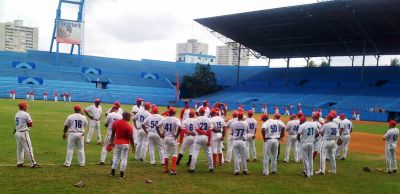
[[334, 28]]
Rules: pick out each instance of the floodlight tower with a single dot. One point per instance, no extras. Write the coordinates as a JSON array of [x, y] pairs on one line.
[[68, 31]]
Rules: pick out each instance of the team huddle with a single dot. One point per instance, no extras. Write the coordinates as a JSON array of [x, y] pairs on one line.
[[205, 129]]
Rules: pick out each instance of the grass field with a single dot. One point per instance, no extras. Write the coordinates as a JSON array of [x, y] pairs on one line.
[[50, 149]]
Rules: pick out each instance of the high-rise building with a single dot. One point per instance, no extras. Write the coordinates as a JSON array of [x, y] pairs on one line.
[[228, 55], [191, 46], [14, 36]]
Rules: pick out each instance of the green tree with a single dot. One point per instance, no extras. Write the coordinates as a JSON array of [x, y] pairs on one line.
[[324, 63], [394, 62], [200, 83], [311, 63]]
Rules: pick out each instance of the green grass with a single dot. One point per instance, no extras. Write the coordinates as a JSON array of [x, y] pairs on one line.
[[50, 149]]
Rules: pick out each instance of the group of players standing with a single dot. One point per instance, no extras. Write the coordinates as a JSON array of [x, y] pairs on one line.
[[204, 128]]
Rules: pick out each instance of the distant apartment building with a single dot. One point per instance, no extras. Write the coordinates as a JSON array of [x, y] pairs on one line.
[[14, 36], [228, 56], [192, 46], [196, 58]]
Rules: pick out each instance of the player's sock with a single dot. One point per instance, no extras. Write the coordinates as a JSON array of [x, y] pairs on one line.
[[220, 158], [180, 156], [181, 136], [112, 172], [122, 174], [214, 159], [189, 161], [166, 165], [173, 164]]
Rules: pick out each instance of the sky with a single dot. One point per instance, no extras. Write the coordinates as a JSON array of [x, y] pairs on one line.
[[150, 29]]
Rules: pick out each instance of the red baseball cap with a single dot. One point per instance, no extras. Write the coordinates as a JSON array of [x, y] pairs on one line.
[[205, 101], [155, 110], [191, 114], [234, 114], [392, 123], [147, 105], [315, 116], [115, 107], [171, 110], [300, 114], [303, 119], [240, 115], [139, 100], [293, 116], [116, 103], [277, 115], [330, 116], [250, 113], [22, 104], [202, 110], [77, 107], [213, 111], [334, 113], [264, 116], [342, 116], [97, 100]]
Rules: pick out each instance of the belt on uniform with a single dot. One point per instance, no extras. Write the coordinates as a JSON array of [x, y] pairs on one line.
[[268, 138], [329, 139], [23, 131], [239, 139]]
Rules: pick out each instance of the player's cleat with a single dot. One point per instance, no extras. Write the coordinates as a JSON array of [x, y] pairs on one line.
[[332, 172], [82, 165], [389, 172], [254, 160], [153, 164], [265, 174], [395, 171], [320, 172], [248, 160], [285, 161], [210, 170], [121, 175], [245, 173], [100, 163], [99, 143], [20, 165], [112, 172], [36, 166], [236, 173], [343, 158], [303, 174], [191, 171], [141, 159], [66, 165], [172, 172], [272, 173]]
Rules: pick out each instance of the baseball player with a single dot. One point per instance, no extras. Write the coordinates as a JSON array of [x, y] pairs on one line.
[[271, 135], [203, 139], [65, 97], [281, 127], [251, 137], [330, 134], [111, 118], [69, 97], [32, 96], [188, 140], [317, 143], [11, 94], [75, 126], [253, 108], [135, 109], [55, 96], [336, 119], [94, 114], [28, 95], [345, 127], [205, 106], [391, 136], [185, 112], [172, 127], [23, 122], [218, 134], [150, 128], [121, 136], [119, 110], [229, 140], [306, 136], [287, 113], [45, 95], [138, 119], [239, 131], [292, 128], [264, 109]]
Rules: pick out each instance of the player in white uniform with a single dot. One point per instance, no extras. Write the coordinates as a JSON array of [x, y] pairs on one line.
[[239, 131], [281, 127], [22, 123], [185, 112], [271, 135], [306, 136], [203, 139], [150, 127], [345, 127], [94, 113], [251, 137], [172, 127], [75, 126], [188, 126], [229, 140], [207, 110], [135, 110], [317, 143], [119, 110], [292, 128], [391, 136], [330, 134], [111, 117], [138, 119], [218, 134]]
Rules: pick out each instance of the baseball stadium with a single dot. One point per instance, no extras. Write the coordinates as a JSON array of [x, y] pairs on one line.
[[136, 128]]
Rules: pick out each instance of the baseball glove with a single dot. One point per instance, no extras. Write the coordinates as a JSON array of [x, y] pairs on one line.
[[339, 141], [110, 147]]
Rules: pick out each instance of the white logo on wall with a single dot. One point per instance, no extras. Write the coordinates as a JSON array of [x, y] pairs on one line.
[[69, 32]]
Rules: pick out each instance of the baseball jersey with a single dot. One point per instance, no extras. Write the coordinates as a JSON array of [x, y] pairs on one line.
[[218, 123], [76, 123], [189, 124], [337, 120], [271, 128], [228, 124], [319, 126], [140, 117], [123, 131], [392, 135], [307, 131], [346, 125], [94, 111], [120, 111], [152, 121], [135, 109], [252, 125], [207, 113], [170, 125], [185, 113], [239, 130], [330, 131], [293, 127], [111, 117], [22, 119], [281, 125], [203, 123]]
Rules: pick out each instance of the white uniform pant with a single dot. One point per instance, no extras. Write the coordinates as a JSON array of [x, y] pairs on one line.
[[171, 147], [270, 152], [94, 125], [251, 147], [216, 143], [345, 145], [328, 149], [13, 96], [292, 141], [45, 98], [307, 150], [229, 143], [188, 143], [120, 154], [391, 161], [141, 148], [201, 141], [69, 99], [24, 145], [154, 140], [107, 141], [75, 140], [317, 145], [55, 99], [239, 148], [32, 98]]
